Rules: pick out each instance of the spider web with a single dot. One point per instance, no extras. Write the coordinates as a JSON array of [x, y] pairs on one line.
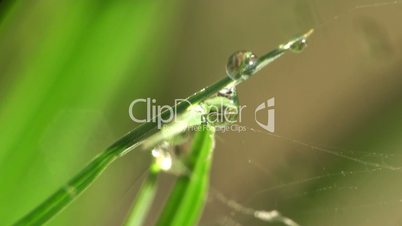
[[283, 198], [360, 183]]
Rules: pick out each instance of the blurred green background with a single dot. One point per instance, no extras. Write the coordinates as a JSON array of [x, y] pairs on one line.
[[69, 70]]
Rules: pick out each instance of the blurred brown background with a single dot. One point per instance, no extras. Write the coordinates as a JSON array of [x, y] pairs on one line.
[[343, 92]]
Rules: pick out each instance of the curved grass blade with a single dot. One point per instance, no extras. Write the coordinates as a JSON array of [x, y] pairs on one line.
[[61, 198], [188, 196], [144, 200]]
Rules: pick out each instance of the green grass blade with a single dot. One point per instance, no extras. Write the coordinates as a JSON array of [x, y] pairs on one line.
[[143, 201], [188, 196], [63, 68], [61, 198], [79, 183]]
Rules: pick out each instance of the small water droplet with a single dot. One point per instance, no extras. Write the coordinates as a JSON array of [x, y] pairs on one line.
[[240, 65], [163, 159], [166, 160], [298, 46], [223, 108]]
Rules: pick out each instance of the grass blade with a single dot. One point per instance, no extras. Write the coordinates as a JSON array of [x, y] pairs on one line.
[[188, 196], [143, 201], [61, 198]]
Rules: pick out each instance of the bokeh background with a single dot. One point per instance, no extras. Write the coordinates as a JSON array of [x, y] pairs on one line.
[[69, 70]]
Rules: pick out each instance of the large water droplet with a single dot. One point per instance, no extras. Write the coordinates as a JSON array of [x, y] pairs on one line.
[[240, 65]]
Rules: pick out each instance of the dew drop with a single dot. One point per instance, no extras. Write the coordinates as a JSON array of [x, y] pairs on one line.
[[165, 159], [230, 93], [223, 108], [298, 46], [162, 158], [240, 65]]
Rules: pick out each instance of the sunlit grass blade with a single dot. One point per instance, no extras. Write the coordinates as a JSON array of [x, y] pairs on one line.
[[64, 65], [61, 198], [188, 196], [143, 201]]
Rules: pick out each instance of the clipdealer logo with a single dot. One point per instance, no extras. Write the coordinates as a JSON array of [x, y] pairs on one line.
[[153, 112], [269, 105]]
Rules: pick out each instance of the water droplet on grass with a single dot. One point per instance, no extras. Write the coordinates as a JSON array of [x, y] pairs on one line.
[[240, 65], [297, 47], [223, 108], [167, 159], [298, 44], [163, 160]]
